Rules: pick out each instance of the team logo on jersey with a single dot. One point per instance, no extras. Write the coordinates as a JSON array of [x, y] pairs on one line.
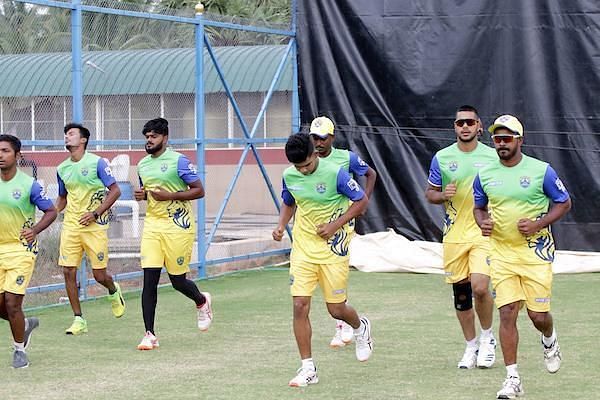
[[361, 162], [452, 166], [542, 243], [449, 217], [85, 171], [192, 168], [179, 214], [95, 201], [179, 260], [340, 240], [525, 181], [108, 171], [321, 188], [43, 194], [16, 194], [100, 256], [20, 280], [164, 167]]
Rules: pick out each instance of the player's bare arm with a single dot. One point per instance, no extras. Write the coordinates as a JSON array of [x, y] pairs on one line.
[[30, 234], [434, 194], [357, 208], [371, 176], [195, 191], [483, 220], [285, 215], [528, 227]]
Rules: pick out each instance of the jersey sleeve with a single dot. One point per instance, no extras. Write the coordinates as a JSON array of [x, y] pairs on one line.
[[553, 186], [39, 198], [62, 189], [286, 196], [186, 170], [435, 175], [348, 186], [479, 197], [357, 166], [105, 173]]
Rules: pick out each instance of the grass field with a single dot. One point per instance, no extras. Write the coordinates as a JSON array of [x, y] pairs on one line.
[[249, 352]]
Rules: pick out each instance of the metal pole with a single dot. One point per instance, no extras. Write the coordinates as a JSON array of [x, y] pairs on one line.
[[77, 64], [200, 147], [295, 96]]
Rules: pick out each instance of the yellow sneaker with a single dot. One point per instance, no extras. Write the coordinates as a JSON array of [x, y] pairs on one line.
[[78, 327], [117, 303]]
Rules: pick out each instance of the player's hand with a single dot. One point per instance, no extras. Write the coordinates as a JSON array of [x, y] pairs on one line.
[[160, 194], [87, 218], [139, 194], [450, 190], [28, 234], [326, 230], [527, 227], [278, 233], [487, 225]]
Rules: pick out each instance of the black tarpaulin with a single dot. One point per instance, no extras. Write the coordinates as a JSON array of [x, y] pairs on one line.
[[391, 74]]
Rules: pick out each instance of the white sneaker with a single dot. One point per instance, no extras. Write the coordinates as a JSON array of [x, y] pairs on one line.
[[364, 341], [552, 357], [337, 341], [486, 355], [347, 332], [149, 342], [511, 388], [305, 377], [469, 358], [205, 314]]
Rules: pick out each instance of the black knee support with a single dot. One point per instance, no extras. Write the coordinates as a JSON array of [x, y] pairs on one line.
[[463, 296]]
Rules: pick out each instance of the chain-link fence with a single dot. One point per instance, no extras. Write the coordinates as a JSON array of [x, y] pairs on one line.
[[112, 66]]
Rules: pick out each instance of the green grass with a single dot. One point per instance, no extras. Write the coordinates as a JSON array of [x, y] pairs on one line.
[[250, 353]]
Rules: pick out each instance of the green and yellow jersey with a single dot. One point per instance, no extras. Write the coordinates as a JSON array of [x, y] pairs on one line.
[[512, 193], [171, 171], [320, 198], [18, 199], [453, 165], [84, 184]]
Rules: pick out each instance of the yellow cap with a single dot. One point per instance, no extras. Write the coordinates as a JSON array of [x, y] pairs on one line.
[[509, 122], [321, 126]]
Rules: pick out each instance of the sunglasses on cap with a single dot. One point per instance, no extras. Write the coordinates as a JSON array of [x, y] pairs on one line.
[[504, 138], [461, 122]]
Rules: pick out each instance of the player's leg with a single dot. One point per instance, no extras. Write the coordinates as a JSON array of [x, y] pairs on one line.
[[509, 296], [456, 269], [303, 281], [178, 253], [484, 303], [17, 279], [333, 279], [95, 244], [537, 284], [152, 260], [71, 253]]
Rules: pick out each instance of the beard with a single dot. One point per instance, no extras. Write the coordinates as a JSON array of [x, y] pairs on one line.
[[155, 149], [505, 153], [467, 140]]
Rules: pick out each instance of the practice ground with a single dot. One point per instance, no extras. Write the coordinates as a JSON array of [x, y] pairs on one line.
[[249, 352]]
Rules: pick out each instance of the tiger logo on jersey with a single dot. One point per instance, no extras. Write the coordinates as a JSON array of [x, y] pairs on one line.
[[339, 242], [95, 201], [542, 243], [179, 213], [449, 217], [30, 247]]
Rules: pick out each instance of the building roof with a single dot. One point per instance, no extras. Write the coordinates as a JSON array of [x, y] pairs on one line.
[[246, 68]]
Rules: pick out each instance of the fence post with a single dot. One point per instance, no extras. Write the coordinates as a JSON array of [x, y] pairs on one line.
[[295, 97], [199, 105], [77, 62]]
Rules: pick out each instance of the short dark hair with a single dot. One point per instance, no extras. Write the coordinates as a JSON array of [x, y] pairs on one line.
[[299, 147], [156, 125], [467, 107], [83, 131], [14, 141]]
